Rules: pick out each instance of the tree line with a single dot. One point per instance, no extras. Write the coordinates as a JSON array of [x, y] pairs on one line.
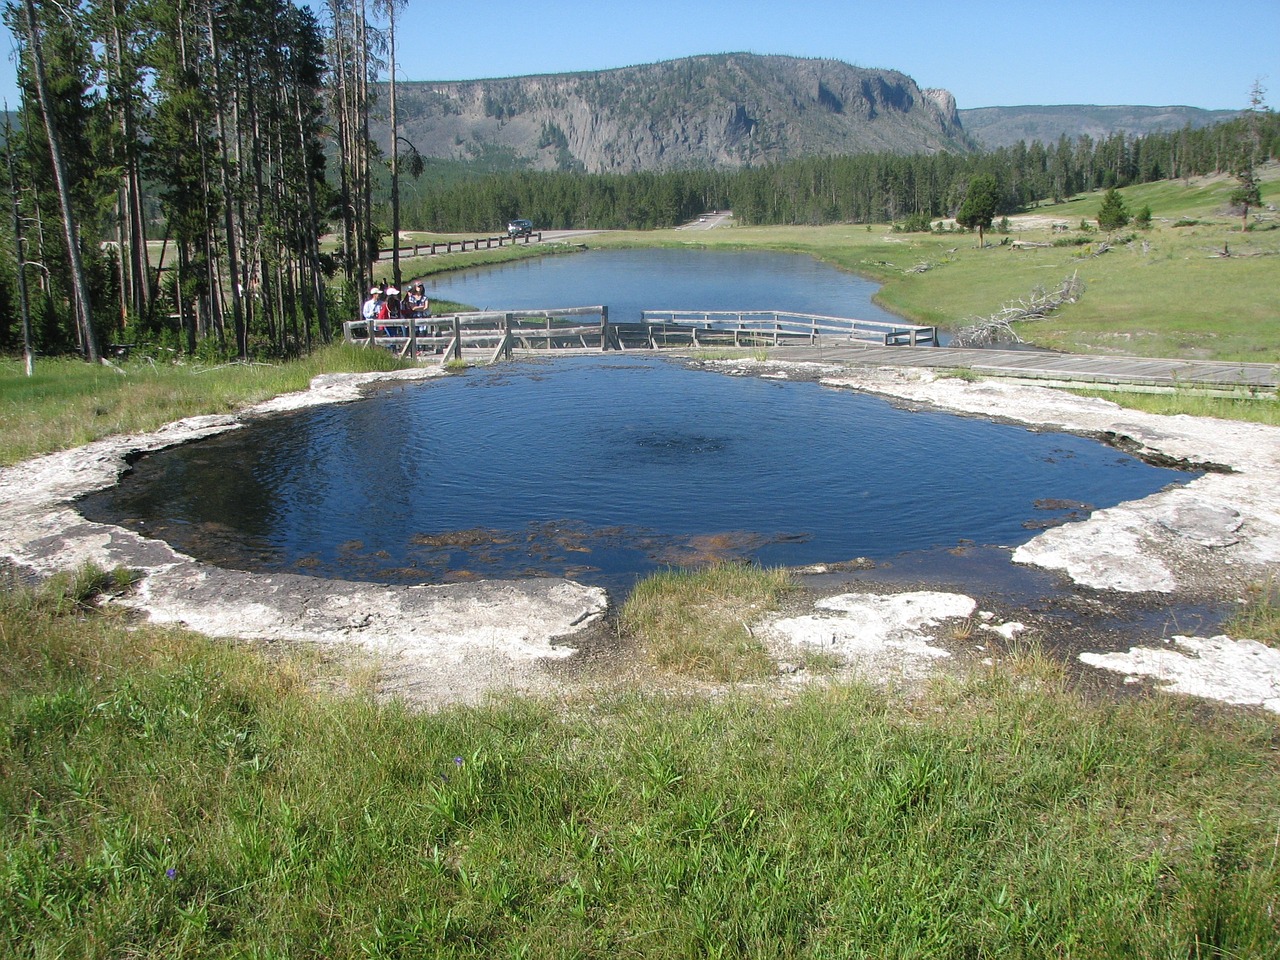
[[863, 188], [175, 163]]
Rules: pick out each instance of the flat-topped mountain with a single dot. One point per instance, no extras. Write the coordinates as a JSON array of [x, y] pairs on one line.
[[723, 111]]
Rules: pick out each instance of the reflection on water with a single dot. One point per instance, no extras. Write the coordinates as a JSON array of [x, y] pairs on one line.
[[604, 469]]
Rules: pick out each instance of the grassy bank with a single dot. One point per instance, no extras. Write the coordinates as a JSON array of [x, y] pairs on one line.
[[425, 266], [68, 403], [165, 796], [694, 622]]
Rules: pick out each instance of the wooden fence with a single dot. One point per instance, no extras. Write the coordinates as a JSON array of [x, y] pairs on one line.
[[459, 246], [773, 327], [500, 333]]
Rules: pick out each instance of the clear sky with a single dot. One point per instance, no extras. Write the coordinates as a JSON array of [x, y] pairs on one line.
[[986, 52]]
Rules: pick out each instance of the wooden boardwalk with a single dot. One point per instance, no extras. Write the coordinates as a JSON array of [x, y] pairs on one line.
[[1056, 369]]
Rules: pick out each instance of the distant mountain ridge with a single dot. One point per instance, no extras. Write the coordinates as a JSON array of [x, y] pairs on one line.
[[719, 111], [993, 127]]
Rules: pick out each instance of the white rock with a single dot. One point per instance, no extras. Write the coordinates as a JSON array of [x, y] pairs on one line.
[[1217, 668]]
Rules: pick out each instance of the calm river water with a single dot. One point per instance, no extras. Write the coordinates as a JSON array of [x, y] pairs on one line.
[[629, 281]]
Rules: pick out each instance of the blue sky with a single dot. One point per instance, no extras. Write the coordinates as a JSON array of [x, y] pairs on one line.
[[986, 53]]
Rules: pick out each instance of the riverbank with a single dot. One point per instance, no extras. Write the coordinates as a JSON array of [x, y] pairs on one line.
[[1191, 285]]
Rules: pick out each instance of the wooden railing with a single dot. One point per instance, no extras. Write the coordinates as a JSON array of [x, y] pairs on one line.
[[773, 327], [459, 246], [590, 328], [500, 331]]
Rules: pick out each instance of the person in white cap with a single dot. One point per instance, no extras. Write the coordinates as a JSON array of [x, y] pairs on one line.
[[370, 309]]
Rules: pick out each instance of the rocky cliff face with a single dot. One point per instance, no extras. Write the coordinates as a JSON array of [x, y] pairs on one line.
[[721, 111]]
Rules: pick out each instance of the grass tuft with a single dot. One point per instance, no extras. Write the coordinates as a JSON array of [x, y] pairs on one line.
[[697, 622], [1259, 616]]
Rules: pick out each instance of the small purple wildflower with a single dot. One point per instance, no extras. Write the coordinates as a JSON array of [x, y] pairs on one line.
[[457, 761], [171, 873]]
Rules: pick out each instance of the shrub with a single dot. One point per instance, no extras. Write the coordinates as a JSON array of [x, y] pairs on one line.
[[916, 223]]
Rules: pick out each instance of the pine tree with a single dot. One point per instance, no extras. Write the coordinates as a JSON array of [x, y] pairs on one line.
[[981, 201], [1113, 214], [1248, 192]]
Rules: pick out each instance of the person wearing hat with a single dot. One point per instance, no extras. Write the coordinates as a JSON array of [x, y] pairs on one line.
[[370, 308]]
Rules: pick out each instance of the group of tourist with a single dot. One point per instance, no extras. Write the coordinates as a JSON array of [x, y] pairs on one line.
[[385, 303]]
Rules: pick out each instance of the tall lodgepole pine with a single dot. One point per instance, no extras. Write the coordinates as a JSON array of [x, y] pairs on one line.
[[233, 279], [84, 313], [391, 10]]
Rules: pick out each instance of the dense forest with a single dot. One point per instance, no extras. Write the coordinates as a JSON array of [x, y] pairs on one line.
[[174, 167], [867, 188]]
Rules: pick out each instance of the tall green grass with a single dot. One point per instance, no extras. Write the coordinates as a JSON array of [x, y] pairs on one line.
[[1260, 410], [164, 796]]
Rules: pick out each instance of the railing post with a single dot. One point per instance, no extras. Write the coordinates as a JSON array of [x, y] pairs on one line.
[[604, 328], [506, 338], [456, 350]]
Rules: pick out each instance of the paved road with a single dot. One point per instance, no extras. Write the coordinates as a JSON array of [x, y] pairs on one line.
[[709, 221]]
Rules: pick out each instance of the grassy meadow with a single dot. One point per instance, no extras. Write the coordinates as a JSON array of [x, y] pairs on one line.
[[163, 795]]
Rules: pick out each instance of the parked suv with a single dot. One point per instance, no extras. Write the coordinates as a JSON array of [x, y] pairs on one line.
[[519, 228]]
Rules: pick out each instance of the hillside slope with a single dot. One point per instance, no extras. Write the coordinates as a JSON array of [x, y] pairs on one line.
[[993, 127], [723, 111]]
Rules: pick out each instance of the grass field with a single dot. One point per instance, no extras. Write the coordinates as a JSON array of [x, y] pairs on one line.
[[164, 796], [68, 403]]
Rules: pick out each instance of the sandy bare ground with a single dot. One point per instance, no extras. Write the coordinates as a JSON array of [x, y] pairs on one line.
[[460, 643]]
